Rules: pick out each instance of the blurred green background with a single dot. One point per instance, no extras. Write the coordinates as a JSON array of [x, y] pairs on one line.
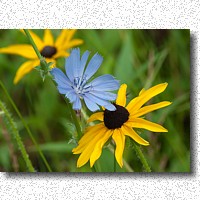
[[139, 58]]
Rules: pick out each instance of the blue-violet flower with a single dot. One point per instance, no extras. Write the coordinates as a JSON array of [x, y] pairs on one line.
[[75, 84]]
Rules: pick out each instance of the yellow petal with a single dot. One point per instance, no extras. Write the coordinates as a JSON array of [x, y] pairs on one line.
[[73, 43], [69, 35], [48, 38], [119, 139], [131, 133], [121, 96], [61, 54], [96, 116], [142, 91], [39, 43], [145, 96], [86, 153], [61, 38], [146, 109], [87, 137], [142, 123], [24, 69], [98, 147], [23, 50]]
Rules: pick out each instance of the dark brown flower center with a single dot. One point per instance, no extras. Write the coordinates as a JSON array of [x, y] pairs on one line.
[[48, 51], [115, 119]]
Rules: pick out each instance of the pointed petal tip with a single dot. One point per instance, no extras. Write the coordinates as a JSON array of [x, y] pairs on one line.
[[91, 164], [120, 164]]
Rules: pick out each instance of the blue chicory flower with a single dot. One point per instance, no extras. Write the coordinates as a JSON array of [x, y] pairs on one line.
[[75, 84]]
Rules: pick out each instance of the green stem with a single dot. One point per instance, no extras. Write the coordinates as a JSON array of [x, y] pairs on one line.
[[33, 44], [43, 62], [141, 157], [26, 126], [114, 158], [74, 117], [13, 128]]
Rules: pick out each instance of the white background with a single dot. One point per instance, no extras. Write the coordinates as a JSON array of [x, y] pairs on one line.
[[109, 14]]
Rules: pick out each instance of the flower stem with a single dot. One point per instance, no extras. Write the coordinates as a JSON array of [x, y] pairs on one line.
[[13, 129], [114, 158], [26, 126], [74, 117], [141, 157], [43, 63], [33, 44]]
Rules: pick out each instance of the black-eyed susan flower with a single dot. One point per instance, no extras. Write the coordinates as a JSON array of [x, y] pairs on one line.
[[49, 48], [75, 84], [118, 124]]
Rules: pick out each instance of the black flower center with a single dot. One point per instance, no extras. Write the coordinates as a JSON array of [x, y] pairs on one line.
[[115, 119], [48, 51]]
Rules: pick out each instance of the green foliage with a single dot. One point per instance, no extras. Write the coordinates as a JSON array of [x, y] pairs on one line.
[[10, 124], [139, 58]]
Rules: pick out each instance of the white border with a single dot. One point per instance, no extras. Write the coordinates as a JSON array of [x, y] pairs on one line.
[[109, 14]]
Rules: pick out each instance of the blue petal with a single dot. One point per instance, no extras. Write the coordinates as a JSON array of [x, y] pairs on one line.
[[60, 78], [93, 66], [104, 95], [71, 95], [97, 100], [104, 83], [110, 107], [77, 104], [92, 106], [63, 90], [84, 59], [72, 64]]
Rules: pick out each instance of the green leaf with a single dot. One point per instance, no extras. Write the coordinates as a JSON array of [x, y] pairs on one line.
[[58, 147], [124, 64]]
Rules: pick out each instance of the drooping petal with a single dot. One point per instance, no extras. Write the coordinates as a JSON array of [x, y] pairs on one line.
[[142, 123], [145, 96], [48, 38], [72, 64], [86, 153], [121, 96], [92, 106], [90, 133], [60, 78], [146, 109], [96, 116], [96, 153], [119, 139], [104, 83], [24, 69], [131, 133], [23, 50], [93, 66]]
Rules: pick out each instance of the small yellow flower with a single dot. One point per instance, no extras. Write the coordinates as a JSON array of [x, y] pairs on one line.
[[48, 48], [118, 124]]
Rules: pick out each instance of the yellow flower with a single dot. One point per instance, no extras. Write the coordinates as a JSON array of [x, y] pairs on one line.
[[48, 48], [118, 124]]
